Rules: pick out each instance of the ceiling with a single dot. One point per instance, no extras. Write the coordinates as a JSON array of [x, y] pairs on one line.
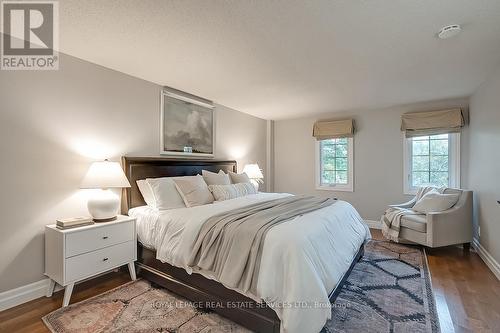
[[288, 58]]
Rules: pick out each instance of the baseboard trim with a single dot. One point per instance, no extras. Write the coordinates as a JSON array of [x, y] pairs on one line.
[[23, 294], [29, 292], [488, 259], [372, 224]]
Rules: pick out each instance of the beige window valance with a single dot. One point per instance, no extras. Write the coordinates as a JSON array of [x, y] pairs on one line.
[[331, 129], [432, 122]]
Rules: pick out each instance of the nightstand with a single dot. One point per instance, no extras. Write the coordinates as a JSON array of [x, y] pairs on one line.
[[72, 255]]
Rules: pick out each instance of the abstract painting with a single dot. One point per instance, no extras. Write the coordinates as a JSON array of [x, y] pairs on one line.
[[187, 126]]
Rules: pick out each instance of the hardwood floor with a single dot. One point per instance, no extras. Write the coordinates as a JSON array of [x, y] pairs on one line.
[[467, 295]]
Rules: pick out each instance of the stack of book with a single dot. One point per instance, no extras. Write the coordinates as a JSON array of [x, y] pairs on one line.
[[73, 222]]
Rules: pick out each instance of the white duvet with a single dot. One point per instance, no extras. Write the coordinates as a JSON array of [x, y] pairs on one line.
[[302, 260]]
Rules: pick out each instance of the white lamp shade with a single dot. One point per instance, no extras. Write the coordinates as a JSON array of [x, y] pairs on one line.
[[253, 171], [105, 175]]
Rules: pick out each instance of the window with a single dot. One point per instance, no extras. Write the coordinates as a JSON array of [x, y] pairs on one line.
[[334, 163], [432, 160]]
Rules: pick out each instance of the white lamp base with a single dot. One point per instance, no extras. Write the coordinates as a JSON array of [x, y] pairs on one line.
[[103, 207]]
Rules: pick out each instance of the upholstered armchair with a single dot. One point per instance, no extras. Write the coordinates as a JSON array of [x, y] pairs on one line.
[[452, 226]]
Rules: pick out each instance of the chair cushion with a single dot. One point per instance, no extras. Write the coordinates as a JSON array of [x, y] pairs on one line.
[[413, 236], [414, 222]]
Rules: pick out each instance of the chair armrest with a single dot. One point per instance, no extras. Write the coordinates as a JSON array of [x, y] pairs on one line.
[[448, 212], [452, 226], [408, 204]]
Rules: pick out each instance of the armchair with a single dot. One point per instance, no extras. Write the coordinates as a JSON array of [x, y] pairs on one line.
[[452, 226]]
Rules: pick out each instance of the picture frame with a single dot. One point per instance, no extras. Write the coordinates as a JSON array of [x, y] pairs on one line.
[[187, 125]]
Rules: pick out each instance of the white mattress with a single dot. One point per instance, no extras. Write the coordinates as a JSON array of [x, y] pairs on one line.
[[302, 260]]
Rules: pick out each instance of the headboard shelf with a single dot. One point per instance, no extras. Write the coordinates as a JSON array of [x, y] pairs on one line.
[[137, 168]]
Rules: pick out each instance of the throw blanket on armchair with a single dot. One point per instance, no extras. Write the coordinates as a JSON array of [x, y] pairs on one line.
[[229, 245], [391, 220]]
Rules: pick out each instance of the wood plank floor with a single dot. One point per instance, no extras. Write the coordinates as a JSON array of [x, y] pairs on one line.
[[467, 295]]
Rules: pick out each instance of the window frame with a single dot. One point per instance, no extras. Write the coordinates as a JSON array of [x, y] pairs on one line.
[[453, 163], [349, 187]]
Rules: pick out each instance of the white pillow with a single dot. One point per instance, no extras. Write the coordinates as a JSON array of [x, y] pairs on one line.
[[237, 178], [226, 192], [165, 193], [146, 192], [212, 178], [433, 202], [194, 190]]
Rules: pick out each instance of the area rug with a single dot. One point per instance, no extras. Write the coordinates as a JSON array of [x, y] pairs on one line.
[[388, 291], [137, 307]]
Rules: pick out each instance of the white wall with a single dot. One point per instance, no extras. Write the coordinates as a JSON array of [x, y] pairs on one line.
[[378, 156], [241, 137], [54, 123], [484, 164]]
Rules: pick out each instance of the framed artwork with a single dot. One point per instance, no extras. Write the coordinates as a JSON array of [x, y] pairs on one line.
[[187, 125]]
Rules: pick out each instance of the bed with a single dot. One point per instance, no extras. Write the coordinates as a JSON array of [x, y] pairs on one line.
[[280, 286]]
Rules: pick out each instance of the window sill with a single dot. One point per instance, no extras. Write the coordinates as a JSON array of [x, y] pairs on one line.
[[335, 188]]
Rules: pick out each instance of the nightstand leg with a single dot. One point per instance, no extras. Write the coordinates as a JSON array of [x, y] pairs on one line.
[[131, 269], [50, 289], [67, 294]]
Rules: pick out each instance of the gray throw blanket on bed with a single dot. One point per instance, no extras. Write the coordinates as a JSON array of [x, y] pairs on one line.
[[229, 245]]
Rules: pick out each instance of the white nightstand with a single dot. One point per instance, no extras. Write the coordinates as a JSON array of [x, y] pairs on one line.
[[73, 255]]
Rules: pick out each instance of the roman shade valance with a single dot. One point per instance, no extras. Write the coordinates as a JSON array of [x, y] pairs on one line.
[[332, 129], [432, 122]]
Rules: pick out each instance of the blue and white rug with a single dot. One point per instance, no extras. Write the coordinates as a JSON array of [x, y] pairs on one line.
[[389, 290]]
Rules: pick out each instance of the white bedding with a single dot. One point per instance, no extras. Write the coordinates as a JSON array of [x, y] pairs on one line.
[[302, 260]]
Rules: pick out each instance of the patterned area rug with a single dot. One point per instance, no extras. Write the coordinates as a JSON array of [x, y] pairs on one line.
[[137, 307], [388, 291]]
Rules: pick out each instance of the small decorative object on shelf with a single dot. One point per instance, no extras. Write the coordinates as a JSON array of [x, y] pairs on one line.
[[73, 222], [103, 206]]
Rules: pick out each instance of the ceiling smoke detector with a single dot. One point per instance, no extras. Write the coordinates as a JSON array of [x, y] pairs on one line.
[[449, 31]]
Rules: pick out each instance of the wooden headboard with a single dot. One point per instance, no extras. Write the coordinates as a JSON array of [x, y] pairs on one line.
[[137, 168]]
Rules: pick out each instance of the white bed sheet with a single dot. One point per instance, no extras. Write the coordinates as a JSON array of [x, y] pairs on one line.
[[302, 260]]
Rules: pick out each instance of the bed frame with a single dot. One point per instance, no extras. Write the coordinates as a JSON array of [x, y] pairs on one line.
[[205, 293]]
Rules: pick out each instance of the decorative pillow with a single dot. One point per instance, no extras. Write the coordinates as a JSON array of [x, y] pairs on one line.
[[165, 193], [237, 178], [146, 192], [212, 178], [194, 191], [226, 192], [433, 202]]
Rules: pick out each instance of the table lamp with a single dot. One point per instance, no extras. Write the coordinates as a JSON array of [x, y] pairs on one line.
[[254, 173], [105, 175]]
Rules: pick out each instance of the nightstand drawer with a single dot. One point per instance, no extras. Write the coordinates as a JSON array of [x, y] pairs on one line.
[[88, 264], [97, 238]]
